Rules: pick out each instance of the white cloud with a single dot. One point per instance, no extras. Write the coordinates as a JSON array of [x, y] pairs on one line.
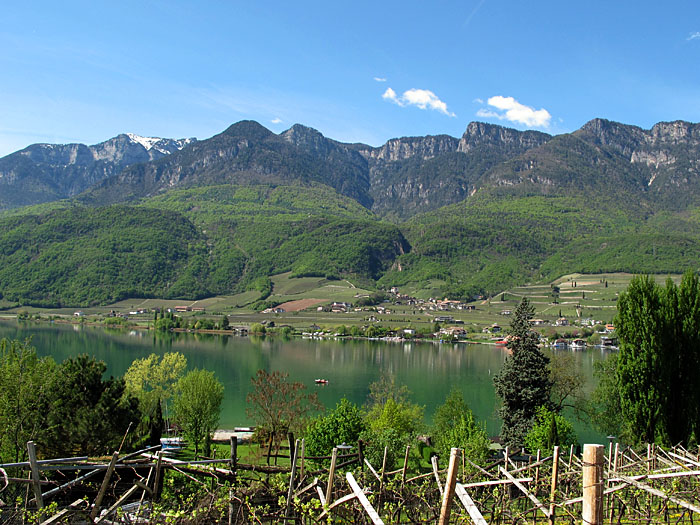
[[421, 98], [380, 79], [694, 36], [276, 120], [514, 111]]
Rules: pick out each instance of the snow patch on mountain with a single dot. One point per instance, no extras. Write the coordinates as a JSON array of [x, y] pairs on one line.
[[146, 142]]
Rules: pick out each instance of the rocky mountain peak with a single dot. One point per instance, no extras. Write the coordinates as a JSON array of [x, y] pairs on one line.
[[248, 129], [407, 147], [304, 136], [677, 131], [479, 134]]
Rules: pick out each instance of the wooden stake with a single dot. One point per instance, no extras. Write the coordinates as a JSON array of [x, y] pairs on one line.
[[449, 487], [331, 473], [405, 464], [469, 504], [593, 458], [571, 457], [36, 485], [361, 453], [434, 461], [121, 500], [290, 493], [103, 487], [522, 489], [376, 520], [553, 490], [303, 452], [159, 476]]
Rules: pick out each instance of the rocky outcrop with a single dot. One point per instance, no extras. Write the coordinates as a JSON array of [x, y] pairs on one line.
[[46, 172]]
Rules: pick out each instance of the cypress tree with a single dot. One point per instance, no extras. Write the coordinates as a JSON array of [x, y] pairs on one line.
[[524, 382], [658, 370]]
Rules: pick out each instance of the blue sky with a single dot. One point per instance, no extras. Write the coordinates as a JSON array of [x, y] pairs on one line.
[[356, 71]]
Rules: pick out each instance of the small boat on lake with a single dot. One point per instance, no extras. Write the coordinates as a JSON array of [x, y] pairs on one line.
[[321, 381]]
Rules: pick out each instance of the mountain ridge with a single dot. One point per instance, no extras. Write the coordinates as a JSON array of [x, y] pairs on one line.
[[403, 177]]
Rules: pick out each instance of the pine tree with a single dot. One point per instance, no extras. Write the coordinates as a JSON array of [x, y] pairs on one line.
[[524, 382]]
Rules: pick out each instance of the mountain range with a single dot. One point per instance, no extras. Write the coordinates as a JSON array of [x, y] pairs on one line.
[[461, 216]]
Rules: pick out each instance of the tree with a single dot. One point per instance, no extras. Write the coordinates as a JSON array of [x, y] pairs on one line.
[[88, 414], [567, 383], [152, 380], [24, 397], [454, 426], [658, 376], [344, 424], [197, 406], [550, 429], [278, 405], [605, 400], [392, 420], [524, 382]]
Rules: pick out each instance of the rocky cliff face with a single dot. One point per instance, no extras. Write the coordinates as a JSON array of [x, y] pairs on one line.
[[45, 172], [408, 147], [397, 180], [667, 155], [418, 174], [480, 135]]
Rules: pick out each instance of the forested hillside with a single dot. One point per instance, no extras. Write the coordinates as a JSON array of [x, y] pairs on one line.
[[454, 217]]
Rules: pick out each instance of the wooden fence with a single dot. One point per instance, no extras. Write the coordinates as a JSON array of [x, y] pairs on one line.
[[617, 485]]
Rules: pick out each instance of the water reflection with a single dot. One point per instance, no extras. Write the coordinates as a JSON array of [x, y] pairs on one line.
[[429, 370]]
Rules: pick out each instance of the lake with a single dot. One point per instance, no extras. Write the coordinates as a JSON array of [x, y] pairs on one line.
[[429, 370]]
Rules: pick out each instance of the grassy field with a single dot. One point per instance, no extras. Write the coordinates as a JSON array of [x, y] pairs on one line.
[[580, 297]]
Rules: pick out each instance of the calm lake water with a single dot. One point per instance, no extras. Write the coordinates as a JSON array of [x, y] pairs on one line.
[[429, 370]]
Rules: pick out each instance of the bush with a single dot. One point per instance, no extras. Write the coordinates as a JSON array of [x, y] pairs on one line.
[[257, 328], [342, 425]]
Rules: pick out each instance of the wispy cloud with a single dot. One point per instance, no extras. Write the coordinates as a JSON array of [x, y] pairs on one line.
[[513, 111], [694, 36], [421, 98], [276, 120], [379, 79]]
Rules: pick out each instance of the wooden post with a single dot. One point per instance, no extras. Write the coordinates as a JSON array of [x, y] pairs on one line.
[[331, 473], [571, 457], [361, 453], [103, 487], [405, 464], [36, 485], [553, 491], [381, 476], [290, 493], [537, 482], [158, 482], [233, 458], [593, 460], [449, 487], [303, 454], [434, 461], [506, 458]]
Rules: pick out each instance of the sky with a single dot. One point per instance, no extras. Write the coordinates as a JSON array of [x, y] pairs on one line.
[[75, 71]]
